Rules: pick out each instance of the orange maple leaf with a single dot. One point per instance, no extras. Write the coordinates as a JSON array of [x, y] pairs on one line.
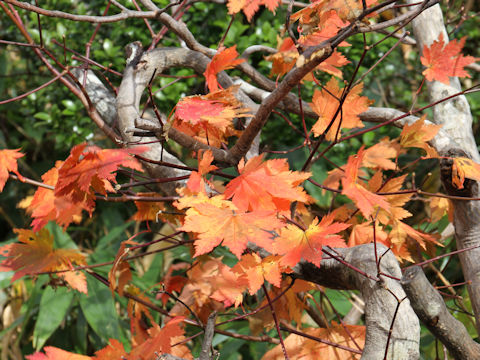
[[220, 221], [53, 353], [172, 283], [114, 350], [289, 305], [299, 347], [365, 200], [417, 135], [287, 55], [45, 206], [250, 7], [444, 61], [200, 286], [196, 182], [120, 270], [396, 201], [160, 341], [322, 13], [148, 210], [210, 283], [268, 185], [379, 155], [90, 170], [209, 118], [36, 255], [229, 286], [138, 312], [8, 162], [224, 59], [326, 102], [363, 234], [401, 231], [462, 168], [439, 206], [295, 243], [257, 270]]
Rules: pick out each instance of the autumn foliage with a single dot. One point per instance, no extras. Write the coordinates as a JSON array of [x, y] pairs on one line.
[[245, 232]]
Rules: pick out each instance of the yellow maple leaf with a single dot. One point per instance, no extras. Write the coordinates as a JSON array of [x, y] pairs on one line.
[[417, 135]]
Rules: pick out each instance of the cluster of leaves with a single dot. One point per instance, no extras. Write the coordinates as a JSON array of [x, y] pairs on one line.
[[264, 205]]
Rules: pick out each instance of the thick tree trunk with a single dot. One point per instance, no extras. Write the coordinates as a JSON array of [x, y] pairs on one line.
[[456, 118], [386, 305]]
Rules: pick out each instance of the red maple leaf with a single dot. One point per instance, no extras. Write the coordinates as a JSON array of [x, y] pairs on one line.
[[268, 185], [45, 206], [296, 244], [444, 61], [90, 170], [224, 59], [209, 118], [8, 162], [172, 283], [35, 254], [160, 340]]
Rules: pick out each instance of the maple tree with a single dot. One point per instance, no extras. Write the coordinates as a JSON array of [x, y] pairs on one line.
[[211, 220]]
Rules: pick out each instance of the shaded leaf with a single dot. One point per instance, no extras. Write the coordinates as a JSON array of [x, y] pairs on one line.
[[35, 254], [299, 347], [120, 270], [462, 168]]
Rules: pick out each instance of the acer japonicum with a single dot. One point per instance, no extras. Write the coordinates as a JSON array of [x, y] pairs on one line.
[[243, 234]]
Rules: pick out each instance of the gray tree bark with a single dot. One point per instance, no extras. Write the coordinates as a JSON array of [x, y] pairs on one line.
[[456, 118]]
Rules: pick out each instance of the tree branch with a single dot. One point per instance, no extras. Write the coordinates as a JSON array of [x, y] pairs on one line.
[[430, 308], [380, 305]]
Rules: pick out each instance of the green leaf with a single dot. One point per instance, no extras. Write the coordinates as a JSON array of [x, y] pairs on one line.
[[99, 310], [81, 333], [61, 238], [53, 308]]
